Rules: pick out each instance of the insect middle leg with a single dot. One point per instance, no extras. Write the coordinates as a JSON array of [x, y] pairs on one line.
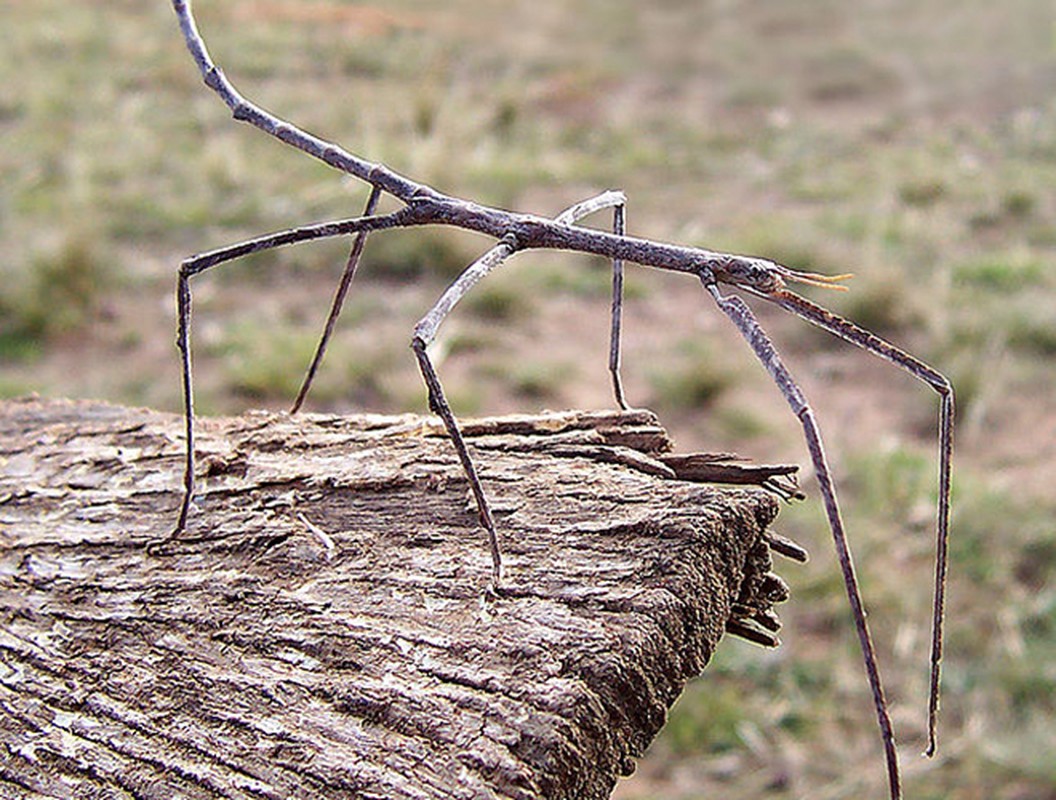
[[425, 332], [618, 202]]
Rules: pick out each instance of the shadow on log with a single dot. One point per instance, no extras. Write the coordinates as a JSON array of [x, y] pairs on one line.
[[320, 631]]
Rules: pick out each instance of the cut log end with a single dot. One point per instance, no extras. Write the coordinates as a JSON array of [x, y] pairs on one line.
[[321, 628]]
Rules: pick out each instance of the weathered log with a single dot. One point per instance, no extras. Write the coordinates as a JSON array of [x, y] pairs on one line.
[[320, 630]]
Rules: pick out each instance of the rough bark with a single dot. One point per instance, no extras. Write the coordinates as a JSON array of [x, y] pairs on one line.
[[321, 631]]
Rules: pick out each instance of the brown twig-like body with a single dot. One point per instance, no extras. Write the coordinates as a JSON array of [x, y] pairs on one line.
[[424, 205]]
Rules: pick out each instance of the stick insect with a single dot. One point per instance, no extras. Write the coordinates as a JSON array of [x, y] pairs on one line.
[[513, 233]]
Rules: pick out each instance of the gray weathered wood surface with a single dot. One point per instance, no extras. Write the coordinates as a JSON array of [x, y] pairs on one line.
[[321, 631]]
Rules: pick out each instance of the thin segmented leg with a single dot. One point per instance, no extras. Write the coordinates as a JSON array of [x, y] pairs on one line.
[[200, 263], [618, 201], [339, 300], [741, 316], [872, 343], [619, 229], [425, 332]]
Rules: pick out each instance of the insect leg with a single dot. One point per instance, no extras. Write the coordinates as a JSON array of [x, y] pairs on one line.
[[200, 263], [741, 316], [338, 302], [618, 202], [424, 333], [872, 343]]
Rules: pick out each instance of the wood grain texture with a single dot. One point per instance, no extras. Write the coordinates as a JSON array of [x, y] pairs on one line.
[[320, 631]]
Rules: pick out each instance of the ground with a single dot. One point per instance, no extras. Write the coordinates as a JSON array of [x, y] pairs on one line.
[[913, 144]]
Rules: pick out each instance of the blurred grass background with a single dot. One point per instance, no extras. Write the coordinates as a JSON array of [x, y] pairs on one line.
[[913, 144]]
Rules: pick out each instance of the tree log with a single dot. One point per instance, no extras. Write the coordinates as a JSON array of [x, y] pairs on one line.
[[321, 629]]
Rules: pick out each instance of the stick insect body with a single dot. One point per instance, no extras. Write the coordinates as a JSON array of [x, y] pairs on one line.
[[423, 205]]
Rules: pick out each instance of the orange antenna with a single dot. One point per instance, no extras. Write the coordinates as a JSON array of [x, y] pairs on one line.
[[816, 279]]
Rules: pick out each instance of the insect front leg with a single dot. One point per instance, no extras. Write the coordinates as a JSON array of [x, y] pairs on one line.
[[871, 343], [763, 347]]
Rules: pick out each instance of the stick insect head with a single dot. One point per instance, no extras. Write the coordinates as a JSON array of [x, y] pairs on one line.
[[767, 277]]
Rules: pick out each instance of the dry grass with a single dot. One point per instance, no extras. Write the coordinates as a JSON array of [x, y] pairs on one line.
[[913, 144]]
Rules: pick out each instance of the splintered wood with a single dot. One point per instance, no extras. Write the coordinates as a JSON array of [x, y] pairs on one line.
[[321, 629]]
